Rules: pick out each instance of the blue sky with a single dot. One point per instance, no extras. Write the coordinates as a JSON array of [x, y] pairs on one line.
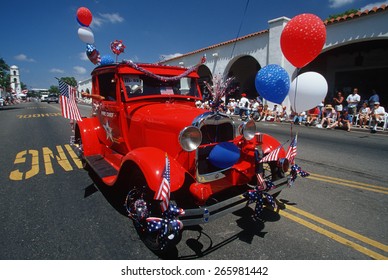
[[41, 37]]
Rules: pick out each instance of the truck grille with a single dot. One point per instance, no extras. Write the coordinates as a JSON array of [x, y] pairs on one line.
[[215, 128]]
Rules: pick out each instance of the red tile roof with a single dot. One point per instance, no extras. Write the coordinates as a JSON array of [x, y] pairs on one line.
[[356, 15], [326, 22]]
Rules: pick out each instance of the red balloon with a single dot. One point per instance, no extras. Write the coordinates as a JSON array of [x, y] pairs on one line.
[[302, 39], [84, 16]]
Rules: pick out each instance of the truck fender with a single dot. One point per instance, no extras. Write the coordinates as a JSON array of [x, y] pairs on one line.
[[152, 162], [87, 130], [270, 143]]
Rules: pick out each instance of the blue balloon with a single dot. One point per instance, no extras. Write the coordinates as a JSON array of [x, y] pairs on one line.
[[106, 60], [224, 155], [272, 83]]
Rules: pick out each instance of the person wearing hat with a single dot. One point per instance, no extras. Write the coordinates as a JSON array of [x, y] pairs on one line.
[[329, 116], [244, 105], [377, 116]]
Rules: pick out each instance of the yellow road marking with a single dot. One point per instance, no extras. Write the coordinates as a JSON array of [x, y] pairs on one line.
[[339, 228], [75, 158], [348, 181], [352, 184], [335, 237]]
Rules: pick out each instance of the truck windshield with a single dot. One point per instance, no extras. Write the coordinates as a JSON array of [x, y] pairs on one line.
[[142, 85]]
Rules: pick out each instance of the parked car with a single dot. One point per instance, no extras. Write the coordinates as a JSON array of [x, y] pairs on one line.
[[166, 162], [52, 98], [43, 98]]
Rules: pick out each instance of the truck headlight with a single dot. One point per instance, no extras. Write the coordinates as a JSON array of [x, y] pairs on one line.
[[248, 129], [190, 138]]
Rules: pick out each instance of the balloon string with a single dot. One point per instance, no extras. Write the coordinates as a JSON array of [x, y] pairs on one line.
[[239, 29], [296, 88]]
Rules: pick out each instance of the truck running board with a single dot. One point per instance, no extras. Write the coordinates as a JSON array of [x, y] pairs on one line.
[[101, 166]]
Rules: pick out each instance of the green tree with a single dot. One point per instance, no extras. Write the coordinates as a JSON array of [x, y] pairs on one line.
[[23, 85], [70, 81], [348, 12], [4, 74], [54, 89]]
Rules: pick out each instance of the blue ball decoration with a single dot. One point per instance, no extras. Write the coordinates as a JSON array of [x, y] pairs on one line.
[[224, 155], [107, 59], [272, 83]]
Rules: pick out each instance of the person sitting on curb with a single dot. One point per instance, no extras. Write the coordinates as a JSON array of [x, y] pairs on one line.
[[363, 115], [312, 116], [344, 121], [329, 116], [377, 116]]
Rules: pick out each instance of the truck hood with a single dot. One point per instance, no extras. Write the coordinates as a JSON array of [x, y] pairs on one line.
[[159, 124]]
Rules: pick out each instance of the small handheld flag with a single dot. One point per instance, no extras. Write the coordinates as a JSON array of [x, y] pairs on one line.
[[163, 193]]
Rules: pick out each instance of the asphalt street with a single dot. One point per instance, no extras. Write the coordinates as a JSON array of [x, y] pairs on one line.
[[50, 207]]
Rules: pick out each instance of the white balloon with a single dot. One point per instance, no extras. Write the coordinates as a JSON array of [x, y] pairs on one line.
[[86, 35], [307, 91]]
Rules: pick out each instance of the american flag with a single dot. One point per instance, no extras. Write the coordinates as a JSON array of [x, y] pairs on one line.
[[68, 104], [291, 152], [272, 156], [261, 185], [163, 193]]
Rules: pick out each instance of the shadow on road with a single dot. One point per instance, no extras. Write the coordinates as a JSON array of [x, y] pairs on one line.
[[250, 227]]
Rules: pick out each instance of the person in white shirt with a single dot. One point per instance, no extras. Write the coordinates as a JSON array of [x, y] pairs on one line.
[[377, 115], [353, 99], [244, 105]]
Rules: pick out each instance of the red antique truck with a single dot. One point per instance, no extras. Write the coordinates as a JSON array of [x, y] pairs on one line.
[[146, 136]]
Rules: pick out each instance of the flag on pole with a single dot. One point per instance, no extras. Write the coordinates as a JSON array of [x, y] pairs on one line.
[[272, 156], [67, 100], [291, 152], [163, 193], [261, 184]]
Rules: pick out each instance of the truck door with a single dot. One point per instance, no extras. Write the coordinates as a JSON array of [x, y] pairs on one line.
[[111, 113]]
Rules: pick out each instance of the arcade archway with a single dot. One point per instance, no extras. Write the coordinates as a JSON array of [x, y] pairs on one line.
[[244, 69]]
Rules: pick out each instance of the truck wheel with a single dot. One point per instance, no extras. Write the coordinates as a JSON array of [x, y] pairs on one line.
[[140, 206]]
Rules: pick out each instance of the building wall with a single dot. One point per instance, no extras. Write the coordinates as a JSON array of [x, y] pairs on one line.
[[265, 47]]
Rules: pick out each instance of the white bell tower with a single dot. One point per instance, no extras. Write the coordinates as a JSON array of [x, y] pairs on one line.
[[15, 79]]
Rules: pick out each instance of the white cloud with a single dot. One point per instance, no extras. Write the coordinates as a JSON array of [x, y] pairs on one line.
[[112, 18], [169, 56], [56, 70], [83, 56], [340, 3], [103, 18], [372, 5], [23, 57], [79, 70]]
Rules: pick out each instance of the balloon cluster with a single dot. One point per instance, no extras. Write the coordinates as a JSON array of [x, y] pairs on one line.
[[301, 41], [84, 18]]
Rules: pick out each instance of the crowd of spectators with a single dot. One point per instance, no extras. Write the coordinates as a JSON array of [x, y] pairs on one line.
[[245, 108], [346, 113], [342, 111]]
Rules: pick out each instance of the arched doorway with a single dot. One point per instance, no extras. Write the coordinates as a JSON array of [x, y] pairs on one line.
[[244, 69], [363, 65], [205, 75]]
